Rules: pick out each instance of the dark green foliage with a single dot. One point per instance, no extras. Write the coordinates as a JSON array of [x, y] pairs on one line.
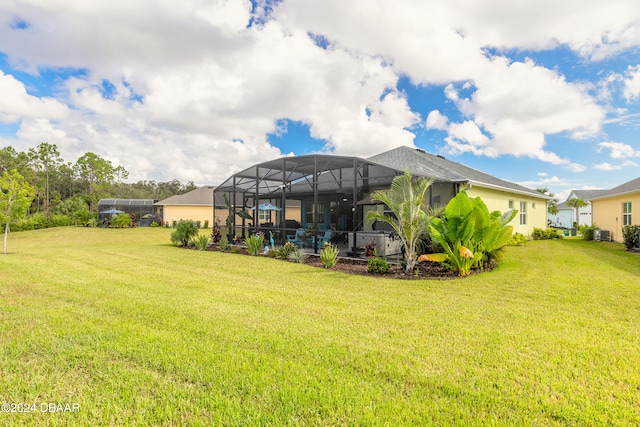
[[378, 265], [184, 231], [285, 251], [540, 234], [121, 220], [630, 236]]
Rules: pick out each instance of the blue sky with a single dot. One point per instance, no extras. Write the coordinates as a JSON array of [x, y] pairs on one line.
[[542, 94]]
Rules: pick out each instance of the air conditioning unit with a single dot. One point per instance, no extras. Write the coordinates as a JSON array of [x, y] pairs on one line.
[[602, 235]]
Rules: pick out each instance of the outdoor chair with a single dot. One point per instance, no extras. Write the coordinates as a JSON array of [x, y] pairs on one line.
[[298, 238], [322, 239]]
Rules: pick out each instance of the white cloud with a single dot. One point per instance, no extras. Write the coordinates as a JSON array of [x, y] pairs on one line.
[[435, 120], [196, 90], [618, 150], [632, 83], [16, 104]]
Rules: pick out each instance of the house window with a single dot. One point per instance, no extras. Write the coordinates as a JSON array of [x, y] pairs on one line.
[[264, 215], [511, 204], [626, 213], [523, 213], [319, 217]]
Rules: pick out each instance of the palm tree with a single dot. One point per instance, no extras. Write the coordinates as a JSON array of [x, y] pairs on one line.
[[411, 215], [577, 204], [552, 205]]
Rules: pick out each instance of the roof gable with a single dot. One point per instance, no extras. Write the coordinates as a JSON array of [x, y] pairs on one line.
[[202, 196], [630, 187], [419, 162], [585, 194]]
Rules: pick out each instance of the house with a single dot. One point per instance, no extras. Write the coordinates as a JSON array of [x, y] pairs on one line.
[[197, 205], [613, 209], [451, 177], [334, 191], [566, 215]]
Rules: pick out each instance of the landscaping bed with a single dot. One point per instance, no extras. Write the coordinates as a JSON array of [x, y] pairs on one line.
[[423, 271]]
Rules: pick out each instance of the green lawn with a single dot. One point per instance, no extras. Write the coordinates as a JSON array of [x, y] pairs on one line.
[[137, 332]]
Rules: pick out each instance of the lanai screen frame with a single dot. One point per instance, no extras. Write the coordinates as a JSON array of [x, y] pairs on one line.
[[313, 177]]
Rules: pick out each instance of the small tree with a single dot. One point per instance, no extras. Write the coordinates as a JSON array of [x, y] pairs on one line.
[[412, 215], [577, 204], [16, 195], [185, 231]]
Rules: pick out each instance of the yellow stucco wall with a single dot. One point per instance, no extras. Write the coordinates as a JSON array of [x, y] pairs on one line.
[[499, 201], [607, 213], [195, 213]]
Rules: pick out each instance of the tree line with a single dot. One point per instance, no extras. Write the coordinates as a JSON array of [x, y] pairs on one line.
[[62, 187]]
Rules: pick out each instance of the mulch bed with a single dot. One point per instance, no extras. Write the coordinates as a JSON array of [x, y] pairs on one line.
[[425, 270]]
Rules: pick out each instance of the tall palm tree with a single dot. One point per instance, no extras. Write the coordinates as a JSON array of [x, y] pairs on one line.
[[411, 214], [577, 204]]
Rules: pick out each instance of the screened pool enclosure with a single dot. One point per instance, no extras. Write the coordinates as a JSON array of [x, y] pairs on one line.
[[332, 191], [143, 209]]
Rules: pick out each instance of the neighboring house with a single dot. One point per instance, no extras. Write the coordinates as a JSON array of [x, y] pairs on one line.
[[197, 205], [613, 209], [334, 191], [451, 177], [564, 218], [566, 215]]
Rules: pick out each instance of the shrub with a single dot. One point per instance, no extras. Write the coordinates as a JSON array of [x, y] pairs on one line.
[[216, 235], [198, 223], [60, 220], [206, 223], [370, 248], [254, 243], [297, 256], [286, 250], [630, 236], [517, 239], [540, 234], [272, 253], [588, 231], [469, 234], [200, 242], [154, 224], [121, 220], [184, 231], [377, 265], [224, 243], [329, 255]]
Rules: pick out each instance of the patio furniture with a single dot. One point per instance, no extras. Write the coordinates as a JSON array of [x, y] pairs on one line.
[[298, 238], [322, 239]]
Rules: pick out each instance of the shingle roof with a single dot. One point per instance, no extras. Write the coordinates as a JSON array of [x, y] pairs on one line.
[[632, 186], [587, 194], [202, 196], [420, 162]]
